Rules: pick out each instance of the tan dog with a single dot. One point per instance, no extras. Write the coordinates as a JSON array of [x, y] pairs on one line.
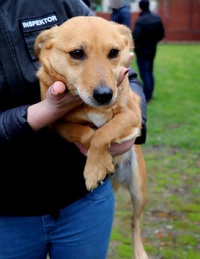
[[90, 55]]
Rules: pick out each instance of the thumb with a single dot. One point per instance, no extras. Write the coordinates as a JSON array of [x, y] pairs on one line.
[[129, 59], [125, 69], [122, 75], [58, 88], [56, 91]]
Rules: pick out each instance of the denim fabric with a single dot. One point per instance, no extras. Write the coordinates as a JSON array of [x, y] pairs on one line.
[[145, 66], [82, 230]]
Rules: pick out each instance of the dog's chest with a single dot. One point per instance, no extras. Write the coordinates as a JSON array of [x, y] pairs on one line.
[[97, 119]]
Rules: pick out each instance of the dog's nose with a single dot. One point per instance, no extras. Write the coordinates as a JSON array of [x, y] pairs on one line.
[[103, 94]]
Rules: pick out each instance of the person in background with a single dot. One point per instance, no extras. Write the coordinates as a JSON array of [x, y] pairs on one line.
[[45, 208], [120, 12], [147, 32]]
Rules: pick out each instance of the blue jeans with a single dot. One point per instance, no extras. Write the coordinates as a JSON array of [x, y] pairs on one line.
[[145, 66], [81, 231]]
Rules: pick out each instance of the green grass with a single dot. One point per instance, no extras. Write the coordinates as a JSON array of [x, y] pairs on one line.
[[171, 221]]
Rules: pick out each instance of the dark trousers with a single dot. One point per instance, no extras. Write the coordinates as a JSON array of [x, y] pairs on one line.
[[145, 66]]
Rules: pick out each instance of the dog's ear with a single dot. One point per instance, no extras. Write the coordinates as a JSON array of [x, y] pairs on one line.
[[126, 32], [43, 40]]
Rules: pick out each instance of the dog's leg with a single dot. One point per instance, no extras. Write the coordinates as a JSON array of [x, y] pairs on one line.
[[138, 195], [74, 132], [130, 173]]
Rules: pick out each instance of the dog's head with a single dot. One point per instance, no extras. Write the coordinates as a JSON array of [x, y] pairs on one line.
[[87, 54]]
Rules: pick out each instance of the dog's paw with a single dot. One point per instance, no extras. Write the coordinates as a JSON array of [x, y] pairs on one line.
[[93, 178], [92, 184], [141, 256], [140, 253], [96, 170]]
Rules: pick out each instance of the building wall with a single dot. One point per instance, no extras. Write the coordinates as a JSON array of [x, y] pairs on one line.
[[181, 19]]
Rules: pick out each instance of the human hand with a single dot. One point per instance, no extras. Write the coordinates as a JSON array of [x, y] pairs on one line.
[[125, 69], [57, 103], [115, 149]]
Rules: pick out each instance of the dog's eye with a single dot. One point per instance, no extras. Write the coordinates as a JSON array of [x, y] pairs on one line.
[[77, 54], [113, 53]]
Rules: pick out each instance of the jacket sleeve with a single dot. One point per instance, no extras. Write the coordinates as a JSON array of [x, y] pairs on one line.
[[136, 86], [137, 31], [14, 126]]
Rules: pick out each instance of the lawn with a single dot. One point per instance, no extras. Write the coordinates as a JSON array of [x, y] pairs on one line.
[[171, 219]]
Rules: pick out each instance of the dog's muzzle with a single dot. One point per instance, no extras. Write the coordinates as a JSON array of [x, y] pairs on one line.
[[103, 95]]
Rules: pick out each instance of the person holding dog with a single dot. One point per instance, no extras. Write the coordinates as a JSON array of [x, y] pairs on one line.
[[45, 207]]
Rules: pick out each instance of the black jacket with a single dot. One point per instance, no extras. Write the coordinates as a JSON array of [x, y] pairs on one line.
[[148, 31], [40, 172]]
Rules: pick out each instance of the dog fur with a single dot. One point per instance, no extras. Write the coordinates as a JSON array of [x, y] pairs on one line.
[[89, 55]]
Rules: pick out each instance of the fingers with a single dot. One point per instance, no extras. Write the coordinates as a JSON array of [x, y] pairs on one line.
[[119, 148], [123, 72], [59, 102], [58, 88], [56, 91], [125, 69], [130, 58], [115, 149], [82, 149]]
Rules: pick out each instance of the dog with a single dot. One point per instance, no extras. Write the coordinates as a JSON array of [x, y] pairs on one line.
[[91, 56]]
